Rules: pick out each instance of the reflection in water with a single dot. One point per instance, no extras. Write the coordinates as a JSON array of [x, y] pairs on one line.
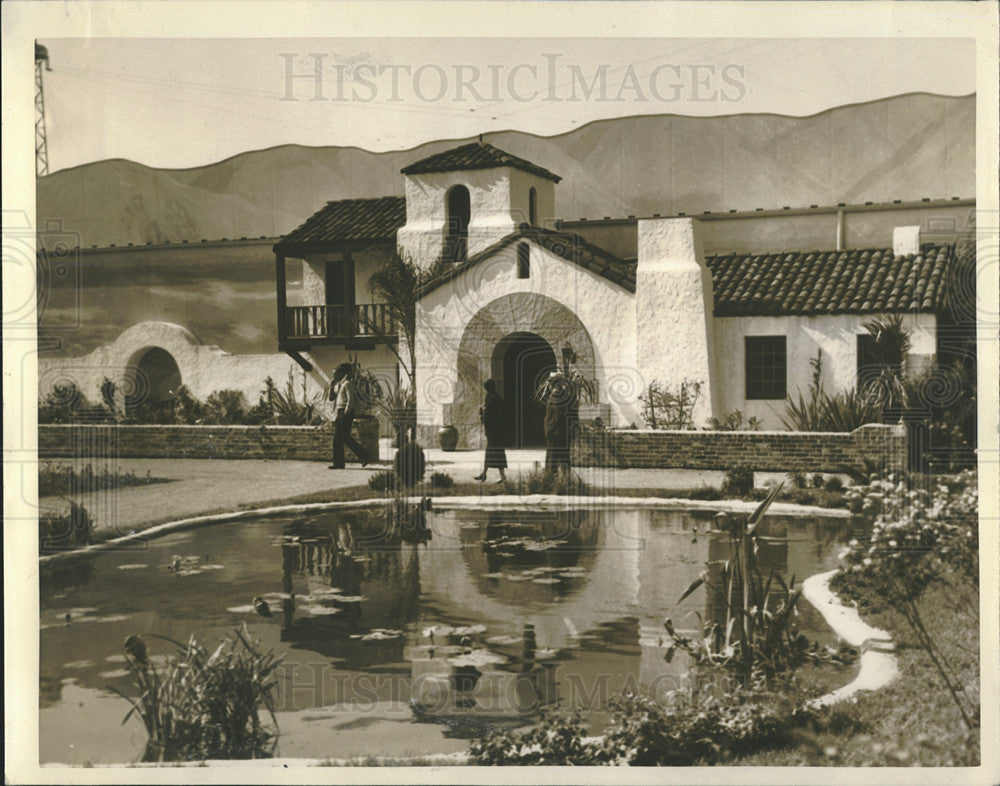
[[454, 621]]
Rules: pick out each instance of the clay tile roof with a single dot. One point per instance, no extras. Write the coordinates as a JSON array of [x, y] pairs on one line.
[[835, 282], [477, 155], [567, 245], [348, 220]]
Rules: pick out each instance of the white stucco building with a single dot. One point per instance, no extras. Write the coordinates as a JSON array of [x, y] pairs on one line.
[[740, 302]]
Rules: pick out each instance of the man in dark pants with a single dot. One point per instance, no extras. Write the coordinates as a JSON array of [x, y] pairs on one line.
[[343, 395]]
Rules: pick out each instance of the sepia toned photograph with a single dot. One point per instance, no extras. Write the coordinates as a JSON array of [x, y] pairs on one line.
[[406, 389]]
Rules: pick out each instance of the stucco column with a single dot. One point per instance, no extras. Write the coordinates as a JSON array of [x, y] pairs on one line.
[[674, 310]]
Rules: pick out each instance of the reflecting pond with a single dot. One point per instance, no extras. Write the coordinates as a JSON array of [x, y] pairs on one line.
[[400, 648]]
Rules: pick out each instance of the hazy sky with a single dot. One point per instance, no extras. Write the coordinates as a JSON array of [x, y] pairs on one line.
[[188, 102]]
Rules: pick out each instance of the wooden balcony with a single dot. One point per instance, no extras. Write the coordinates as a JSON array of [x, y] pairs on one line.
[[360, 325]]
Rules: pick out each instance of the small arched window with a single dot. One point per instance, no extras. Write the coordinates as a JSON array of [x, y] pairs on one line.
[[523, 260], [533, 207], [459, 214]]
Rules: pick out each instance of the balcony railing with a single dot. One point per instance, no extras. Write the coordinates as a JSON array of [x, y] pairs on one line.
[[366, 320]]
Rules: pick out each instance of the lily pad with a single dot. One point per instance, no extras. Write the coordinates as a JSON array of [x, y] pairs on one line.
[[546, 581], [378, 634], [136, 566], [115, 673], [478, 658], [469, 630], [504, 640], [322, 611], [78, 664]]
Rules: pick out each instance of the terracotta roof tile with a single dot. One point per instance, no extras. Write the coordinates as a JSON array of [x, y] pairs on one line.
[[477, 155], [834, 282], [348, 220], [567, 245]]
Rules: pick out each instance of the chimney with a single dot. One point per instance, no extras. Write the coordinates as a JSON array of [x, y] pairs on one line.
[[905, 240], [674, 307]]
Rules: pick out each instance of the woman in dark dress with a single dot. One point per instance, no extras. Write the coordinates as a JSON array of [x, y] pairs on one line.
[[493, 419]]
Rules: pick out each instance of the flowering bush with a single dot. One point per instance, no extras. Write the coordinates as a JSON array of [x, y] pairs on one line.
[[915, 530], [920, 536]]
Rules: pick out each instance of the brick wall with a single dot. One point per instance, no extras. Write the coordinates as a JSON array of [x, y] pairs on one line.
[[775, 451], [303, 443]]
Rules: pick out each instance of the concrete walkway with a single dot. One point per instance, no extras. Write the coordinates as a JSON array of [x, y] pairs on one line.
[[200, 486]]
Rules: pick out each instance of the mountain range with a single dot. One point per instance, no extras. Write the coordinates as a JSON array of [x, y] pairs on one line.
[[906, 147]]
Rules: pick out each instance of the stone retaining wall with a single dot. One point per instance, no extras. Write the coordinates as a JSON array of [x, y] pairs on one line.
[[765, 451], [303, 443]]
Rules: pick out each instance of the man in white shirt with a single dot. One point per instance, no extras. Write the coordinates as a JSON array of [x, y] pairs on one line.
[[343, 395]]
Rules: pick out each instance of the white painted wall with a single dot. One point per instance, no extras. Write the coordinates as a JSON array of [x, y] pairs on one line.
[[498, 200], [605, 309], [835, 336], [673, 298], [204, 369], [313, 288]]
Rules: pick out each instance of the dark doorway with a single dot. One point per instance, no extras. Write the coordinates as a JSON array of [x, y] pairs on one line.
[[158, 377], [520, 362]]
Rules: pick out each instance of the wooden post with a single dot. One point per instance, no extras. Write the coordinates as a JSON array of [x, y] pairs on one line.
[[282, 296]]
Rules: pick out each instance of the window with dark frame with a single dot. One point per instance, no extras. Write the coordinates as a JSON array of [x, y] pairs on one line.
[[523, 260], [766, 367]]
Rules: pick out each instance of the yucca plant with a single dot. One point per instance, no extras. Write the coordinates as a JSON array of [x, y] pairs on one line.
[[398, 410], [758, 635], [201, 705], [286, 409]]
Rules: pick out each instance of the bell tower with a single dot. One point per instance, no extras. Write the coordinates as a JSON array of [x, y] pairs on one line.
[[462, 201]]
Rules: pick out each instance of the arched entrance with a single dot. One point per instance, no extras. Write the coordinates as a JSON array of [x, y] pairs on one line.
[[157, 378], [520, 362], [484, 346]]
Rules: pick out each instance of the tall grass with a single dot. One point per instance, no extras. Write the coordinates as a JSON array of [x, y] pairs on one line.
[[202, 705], [546, 480]]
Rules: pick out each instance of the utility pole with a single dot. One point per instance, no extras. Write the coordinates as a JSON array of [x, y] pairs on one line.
[[41, 145]]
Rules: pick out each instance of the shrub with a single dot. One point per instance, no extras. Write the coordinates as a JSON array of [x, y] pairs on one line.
[[285, 407], [60, 404], [202, 705], [735, 421], [706, 492], [70, 530], [666, 409], [802, 496], [225, 407], [920, 535], [558, 740], [738, 481], [398, 410], [834, 483], [687, 728], [705, 728], [797, 480], [545, 480], [817, 481], [441, 480], [383, 480]]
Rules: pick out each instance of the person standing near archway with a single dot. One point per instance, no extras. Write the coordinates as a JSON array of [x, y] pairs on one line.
[[494, 423]]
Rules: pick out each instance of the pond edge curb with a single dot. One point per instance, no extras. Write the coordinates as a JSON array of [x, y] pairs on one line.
[[877, 664]]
